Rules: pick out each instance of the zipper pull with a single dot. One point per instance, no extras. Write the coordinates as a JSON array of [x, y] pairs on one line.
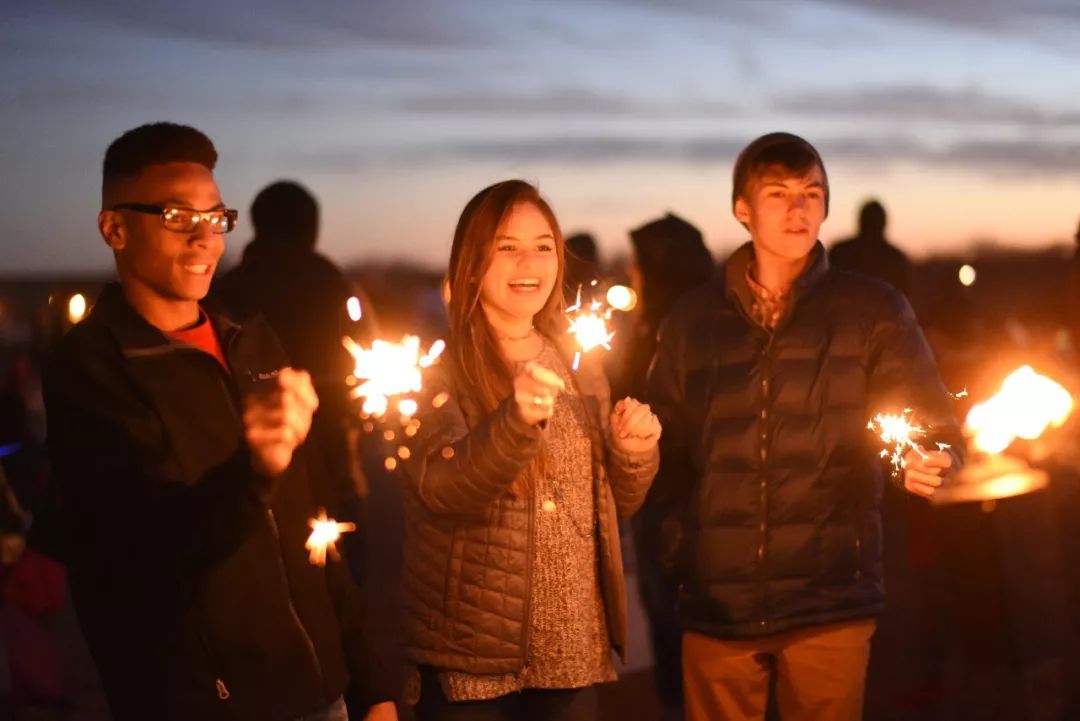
[[222, 690]]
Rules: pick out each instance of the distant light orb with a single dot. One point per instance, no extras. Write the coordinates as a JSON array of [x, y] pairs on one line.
[[967, 275], [76, 307], [355, 311], [622, 298]]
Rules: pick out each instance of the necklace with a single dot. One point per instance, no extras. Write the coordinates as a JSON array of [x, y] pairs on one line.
[[517, 337]]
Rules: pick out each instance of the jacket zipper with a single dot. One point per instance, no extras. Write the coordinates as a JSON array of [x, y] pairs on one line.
[[292, 608], [858, 557], [763, 454]]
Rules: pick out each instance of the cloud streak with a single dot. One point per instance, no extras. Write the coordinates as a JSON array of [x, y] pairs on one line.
[[924, 102], [561, 102], [1010, 157]]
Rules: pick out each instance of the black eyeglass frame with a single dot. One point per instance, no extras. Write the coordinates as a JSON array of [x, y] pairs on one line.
[[231, 214]]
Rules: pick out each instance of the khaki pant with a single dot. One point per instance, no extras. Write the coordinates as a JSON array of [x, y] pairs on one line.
[[820, 674]]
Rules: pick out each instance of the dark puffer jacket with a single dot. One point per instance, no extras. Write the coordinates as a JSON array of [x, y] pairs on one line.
[[469, 541], [772, 480]]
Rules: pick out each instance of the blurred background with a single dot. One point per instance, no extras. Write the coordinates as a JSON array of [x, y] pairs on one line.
[[960, 121]]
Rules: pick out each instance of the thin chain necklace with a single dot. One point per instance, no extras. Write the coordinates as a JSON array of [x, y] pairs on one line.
[[527, 335]]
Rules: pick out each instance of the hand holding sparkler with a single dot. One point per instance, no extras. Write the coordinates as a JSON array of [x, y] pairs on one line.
[[924, 471], [535, 389], [277, 420], [634, 427]]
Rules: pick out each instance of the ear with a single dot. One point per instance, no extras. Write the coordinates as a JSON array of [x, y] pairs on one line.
[[742, 210], [111, 227]]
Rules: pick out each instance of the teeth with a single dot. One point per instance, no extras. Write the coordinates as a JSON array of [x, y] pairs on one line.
[[531, 283], [197, 268]]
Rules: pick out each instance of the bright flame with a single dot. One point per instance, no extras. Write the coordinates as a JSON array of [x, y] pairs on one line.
[[589, 327], [621, 297], [967, 275], [1025, 406], [389, 369], [352, 305], [898, 431], [76, 307], [325, 533]]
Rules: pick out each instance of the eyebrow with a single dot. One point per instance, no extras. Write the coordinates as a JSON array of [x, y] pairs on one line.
[[545, 236], [186, 205], [782, 182]]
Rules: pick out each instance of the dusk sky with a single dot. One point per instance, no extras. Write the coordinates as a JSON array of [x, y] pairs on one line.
[[962, 116]]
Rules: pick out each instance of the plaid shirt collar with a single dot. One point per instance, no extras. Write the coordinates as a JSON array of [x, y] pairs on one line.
[[768, 307]]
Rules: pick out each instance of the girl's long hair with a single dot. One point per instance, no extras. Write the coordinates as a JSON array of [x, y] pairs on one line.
[[482, 371]]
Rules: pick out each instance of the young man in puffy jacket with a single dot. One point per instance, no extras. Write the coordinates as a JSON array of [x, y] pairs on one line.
[[178, 443], [765, 380]]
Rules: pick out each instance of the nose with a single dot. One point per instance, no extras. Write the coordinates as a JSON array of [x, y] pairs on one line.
[[203, 237]]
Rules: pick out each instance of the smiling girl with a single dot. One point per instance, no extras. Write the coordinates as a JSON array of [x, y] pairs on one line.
[[514, 584]]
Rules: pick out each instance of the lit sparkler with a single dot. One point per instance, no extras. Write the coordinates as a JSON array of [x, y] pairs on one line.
[[589, 326], [898, 431], [325, 533], [389, 369], [1025, 407]]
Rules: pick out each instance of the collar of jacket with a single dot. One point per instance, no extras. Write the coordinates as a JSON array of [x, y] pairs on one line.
[[739, 292], [136, 336]]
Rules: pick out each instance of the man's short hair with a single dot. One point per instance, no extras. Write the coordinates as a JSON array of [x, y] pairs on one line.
[[790, 153], [155, 144]]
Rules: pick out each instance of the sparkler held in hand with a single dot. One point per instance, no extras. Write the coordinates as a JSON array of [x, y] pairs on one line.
[[325, 533], [922, 471], [387, 370], [589, 326], [898, 431]]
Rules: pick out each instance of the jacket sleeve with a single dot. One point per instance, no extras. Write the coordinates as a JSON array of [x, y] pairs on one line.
[[630, 474], [458, 470], [122, 486], [903, 374], [665, 391]]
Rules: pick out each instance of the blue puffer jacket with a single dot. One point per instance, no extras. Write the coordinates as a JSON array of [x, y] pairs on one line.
[[770, 481]]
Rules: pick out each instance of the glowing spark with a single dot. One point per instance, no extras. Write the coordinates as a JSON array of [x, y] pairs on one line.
[[76, 308], [387, 370], [325, 533], [589, 327], [407, 407], [621, 298], [1025, 407], [352, 305], [897, 431], [967, 275]]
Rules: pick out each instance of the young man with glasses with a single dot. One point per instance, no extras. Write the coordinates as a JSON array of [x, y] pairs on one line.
[[765, 380], [178, 443]]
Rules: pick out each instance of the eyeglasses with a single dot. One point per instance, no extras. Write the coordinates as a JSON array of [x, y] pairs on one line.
[[185, 220]]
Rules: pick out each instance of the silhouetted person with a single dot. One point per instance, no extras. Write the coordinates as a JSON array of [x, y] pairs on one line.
[[670, 258], [582, 265], [303, 297], [870, 253]]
